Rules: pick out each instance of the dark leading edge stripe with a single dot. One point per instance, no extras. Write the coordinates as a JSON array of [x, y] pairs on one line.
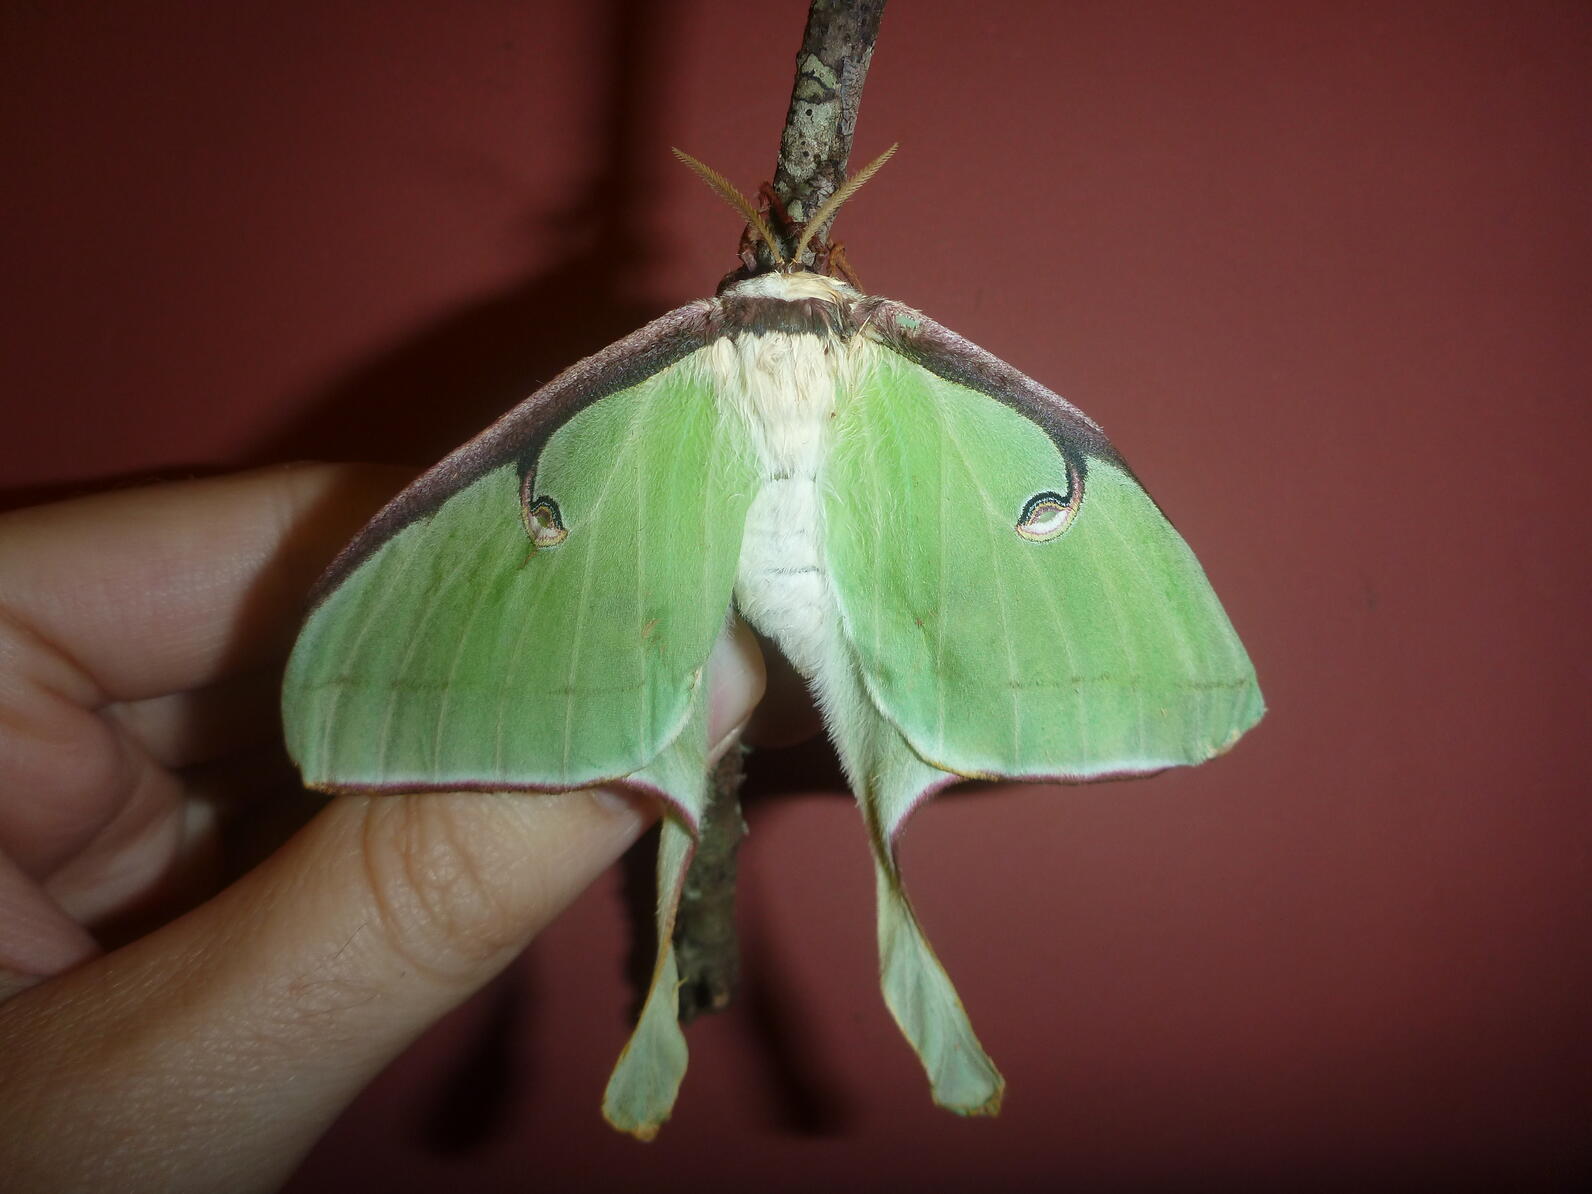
[[520, 434]]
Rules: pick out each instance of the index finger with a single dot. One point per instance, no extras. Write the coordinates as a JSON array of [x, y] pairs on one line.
[[172, 587]]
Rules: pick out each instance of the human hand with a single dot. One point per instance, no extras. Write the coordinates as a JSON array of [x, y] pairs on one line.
[[141, 639]]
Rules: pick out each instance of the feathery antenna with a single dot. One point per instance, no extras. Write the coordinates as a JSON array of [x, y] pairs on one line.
[[832, 204], [738, 201]]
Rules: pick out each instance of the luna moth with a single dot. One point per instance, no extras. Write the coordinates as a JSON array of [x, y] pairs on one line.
[[963, 568]]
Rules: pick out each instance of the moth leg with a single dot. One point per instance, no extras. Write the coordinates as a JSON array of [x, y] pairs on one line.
[[836, 262]]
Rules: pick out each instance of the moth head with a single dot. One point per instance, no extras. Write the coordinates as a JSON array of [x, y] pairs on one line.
[[756, 221]]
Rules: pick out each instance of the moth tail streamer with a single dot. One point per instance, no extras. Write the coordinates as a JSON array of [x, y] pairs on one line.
[[925, 1005], [890, 780], [646, 1080]]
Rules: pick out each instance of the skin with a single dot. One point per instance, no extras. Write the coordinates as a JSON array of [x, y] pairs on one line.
[[195, 1035]]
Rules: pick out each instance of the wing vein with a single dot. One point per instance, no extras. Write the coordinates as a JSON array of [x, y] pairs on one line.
[[1175, 624], [577, 643], [417, 633], [389, 595], [997, 575]]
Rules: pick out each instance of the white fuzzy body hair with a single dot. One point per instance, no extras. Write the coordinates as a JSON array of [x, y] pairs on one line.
[[784, 387]]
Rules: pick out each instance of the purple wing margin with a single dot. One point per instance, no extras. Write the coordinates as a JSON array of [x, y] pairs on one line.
[[941, 351], [523, 430]]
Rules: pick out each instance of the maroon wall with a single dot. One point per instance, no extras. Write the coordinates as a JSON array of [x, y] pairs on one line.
[[1320, 268]]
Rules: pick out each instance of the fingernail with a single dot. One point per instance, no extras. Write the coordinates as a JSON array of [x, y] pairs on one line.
[[736, 678]]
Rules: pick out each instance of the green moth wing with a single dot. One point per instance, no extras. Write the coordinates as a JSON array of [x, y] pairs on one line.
[[1011, 604], [1023, 609], [536, 612], [533, 613]]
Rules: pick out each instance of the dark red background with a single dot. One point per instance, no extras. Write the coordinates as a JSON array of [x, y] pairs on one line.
[[1320, 268]]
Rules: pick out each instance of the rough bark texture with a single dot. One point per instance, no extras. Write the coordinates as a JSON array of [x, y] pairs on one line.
[[830, 70], [705, 945]]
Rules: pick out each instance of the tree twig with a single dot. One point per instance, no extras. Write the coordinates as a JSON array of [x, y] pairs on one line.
[[705, 946], [831, 68]]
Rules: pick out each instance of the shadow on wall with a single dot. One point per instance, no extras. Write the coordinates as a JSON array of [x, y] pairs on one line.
[[449, 380]]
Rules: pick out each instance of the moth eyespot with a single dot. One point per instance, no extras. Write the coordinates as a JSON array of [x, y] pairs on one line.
[[544, 524], [1046, 515]]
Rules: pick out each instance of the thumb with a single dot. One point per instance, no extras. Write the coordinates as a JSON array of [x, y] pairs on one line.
[[212, 1053]]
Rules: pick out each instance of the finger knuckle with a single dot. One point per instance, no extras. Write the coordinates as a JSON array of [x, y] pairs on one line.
[[438, 885]]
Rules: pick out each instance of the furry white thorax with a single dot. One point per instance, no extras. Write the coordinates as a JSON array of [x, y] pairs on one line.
[[784, 387], [800, 285]]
